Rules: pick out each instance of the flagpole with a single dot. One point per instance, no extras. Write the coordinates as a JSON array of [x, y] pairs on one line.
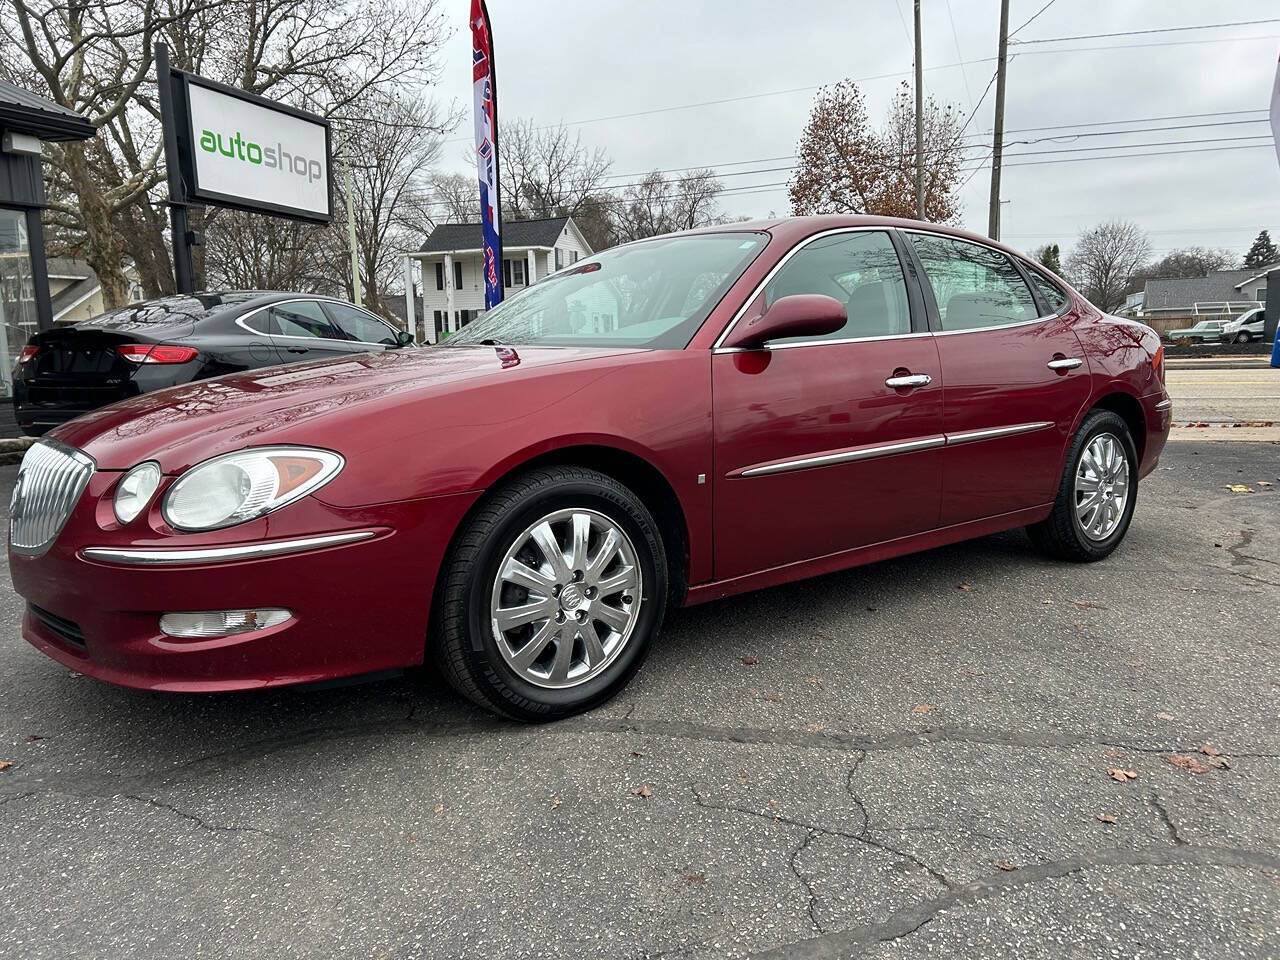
[[497, 159]]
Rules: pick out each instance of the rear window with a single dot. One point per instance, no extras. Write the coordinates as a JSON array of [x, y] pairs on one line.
[[165, 311]]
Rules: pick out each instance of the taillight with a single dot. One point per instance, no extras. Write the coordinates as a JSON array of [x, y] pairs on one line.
[[28, 353], [1157, 362], [156, 353]]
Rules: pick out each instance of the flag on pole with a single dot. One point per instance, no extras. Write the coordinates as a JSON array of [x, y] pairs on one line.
[[486, 120]]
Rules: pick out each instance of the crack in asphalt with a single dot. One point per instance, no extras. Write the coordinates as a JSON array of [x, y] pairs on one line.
[[910, 919], [198, 821], [1154, 799]]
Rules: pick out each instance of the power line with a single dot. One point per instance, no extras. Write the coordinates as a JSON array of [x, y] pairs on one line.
[[1135, 33], [1032, 17]]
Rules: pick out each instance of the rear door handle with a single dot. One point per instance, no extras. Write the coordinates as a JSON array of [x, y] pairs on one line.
[[297, 349], [910, 380], [1066, 363]]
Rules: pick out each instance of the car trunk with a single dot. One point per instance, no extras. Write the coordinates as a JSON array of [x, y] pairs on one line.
[[80, 369]]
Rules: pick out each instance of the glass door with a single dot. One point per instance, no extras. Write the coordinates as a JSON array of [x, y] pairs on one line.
[[17, 294]]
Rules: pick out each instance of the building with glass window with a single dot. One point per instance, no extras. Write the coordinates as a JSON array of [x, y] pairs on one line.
[[26, 122], [452, 286]]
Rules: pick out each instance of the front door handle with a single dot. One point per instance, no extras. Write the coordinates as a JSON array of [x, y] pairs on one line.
[[1065, 363], [910, 380], [297, 349]]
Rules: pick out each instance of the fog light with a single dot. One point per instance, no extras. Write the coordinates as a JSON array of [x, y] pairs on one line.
[[222, 623]]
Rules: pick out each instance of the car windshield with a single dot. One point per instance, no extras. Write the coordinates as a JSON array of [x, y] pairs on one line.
[[653, 293]]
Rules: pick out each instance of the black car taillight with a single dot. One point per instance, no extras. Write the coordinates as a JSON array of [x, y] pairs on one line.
[[28, 353], [156, 353]]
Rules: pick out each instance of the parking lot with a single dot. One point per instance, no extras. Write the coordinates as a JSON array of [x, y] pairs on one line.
[[911, 759]]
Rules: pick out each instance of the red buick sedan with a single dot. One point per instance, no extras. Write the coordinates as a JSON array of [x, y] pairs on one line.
[[671, 421]]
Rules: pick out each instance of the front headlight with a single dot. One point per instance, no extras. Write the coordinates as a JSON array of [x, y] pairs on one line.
[[241, 486], [134, 490]]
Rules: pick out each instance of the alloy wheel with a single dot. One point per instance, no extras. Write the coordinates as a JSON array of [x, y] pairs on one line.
[[566, 598], [1102, 486]]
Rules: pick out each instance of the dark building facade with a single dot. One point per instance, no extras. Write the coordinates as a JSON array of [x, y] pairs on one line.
[[26, 120]]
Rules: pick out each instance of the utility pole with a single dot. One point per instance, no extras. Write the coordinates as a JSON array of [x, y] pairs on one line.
[[179, 221], [997, 139], [351, 231], [920, 120]]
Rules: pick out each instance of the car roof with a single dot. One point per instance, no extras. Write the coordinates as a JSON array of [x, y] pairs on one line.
[[187, 308]]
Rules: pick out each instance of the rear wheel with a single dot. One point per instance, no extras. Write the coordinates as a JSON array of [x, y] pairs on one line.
[[551, 596], [1096, 495]]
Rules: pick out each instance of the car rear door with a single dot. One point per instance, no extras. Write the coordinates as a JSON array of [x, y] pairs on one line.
[[1016, 377], [825, 444], [300, 330]]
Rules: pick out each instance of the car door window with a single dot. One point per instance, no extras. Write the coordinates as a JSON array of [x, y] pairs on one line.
[[355, 324], [859, 269], [974, 286], [301, 318], [1049, 291]]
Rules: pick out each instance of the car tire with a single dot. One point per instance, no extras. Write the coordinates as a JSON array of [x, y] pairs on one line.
[[497, 567], [1242, 337], [1073, 531]]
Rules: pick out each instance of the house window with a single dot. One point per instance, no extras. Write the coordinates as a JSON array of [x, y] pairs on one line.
[[440, 275], [517, 272], [573, 257], [559, 258], [506, 273], [457, 274], [466, 317]]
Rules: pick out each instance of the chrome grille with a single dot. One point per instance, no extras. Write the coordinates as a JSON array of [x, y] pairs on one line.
[[50, 481]]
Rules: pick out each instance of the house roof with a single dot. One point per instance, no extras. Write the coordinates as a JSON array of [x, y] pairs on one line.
[[82, 284], [1262, 272], [448, 237], [1175, 293], [25, 112]]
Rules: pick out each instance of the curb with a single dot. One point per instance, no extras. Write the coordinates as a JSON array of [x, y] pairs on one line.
[[13, 448]]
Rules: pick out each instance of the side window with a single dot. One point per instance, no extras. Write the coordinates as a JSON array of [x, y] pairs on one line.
[[260, 322], [1049, 290], [457, 274], [862, 271], [301, 318], [355, 324], [974, 286]]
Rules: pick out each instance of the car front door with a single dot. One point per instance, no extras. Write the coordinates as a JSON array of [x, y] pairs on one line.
[[1016, 377], [826, 444]]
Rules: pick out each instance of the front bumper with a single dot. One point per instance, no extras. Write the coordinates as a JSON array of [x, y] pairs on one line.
[[358, 606]]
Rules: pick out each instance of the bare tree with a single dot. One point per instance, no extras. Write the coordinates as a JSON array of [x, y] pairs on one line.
[[455, 198], [848, 166], [658, 205], [95, 57], [546, 172], [1104, 260]]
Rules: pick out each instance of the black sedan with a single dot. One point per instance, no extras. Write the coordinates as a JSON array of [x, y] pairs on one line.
[[67, 371]]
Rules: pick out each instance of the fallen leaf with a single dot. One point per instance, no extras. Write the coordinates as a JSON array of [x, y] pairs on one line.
[[772, 696], [439, 809], [556, 801], [1166, 717], [1210, 751], [975, 671], [1239, 488], [964, 586], [923, 708], [1188, 763], [642, 791], [1106, 818], [639, 753], [750, 661], [34, 737], [815, 727], [1123, 776], [411, 838], [1264, 483], [816, 681], [5, 764], [1006, 865], [692, 878]]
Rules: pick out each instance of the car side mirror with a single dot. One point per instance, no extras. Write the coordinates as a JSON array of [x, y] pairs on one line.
[[799, 315], [404, 338]]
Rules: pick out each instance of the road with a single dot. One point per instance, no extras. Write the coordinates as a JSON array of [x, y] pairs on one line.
[[917, 765], [1246, 395]]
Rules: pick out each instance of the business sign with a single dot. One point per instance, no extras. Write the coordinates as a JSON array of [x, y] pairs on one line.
[[250, 153]]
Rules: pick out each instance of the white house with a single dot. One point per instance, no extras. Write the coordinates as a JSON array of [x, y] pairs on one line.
[[451, 261]]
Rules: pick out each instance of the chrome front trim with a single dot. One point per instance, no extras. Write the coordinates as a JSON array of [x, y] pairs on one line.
[[50, 481], [843, 456], [971, 436], [137, 556]]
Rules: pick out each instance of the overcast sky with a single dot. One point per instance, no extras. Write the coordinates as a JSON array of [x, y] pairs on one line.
[[585, 62]]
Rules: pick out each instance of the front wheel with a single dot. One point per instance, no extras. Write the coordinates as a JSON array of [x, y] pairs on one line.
[[1096, 495], [551, 596], [1242, 337]]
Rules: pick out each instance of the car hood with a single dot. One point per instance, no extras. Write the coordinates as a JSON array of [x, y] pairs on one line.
[[183, 425]]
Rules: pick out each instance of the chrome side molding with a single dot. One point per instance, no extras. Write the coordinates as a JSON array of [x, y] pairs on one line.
[[971, 436], [137, 556]]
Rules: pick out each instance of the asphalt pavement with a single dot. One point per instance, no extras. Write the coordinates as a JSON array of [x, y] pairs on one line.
[[907, 760]]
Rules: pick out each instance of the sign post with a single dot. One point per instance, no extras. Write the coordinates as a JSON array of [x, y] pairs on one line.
[[227, 147]]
